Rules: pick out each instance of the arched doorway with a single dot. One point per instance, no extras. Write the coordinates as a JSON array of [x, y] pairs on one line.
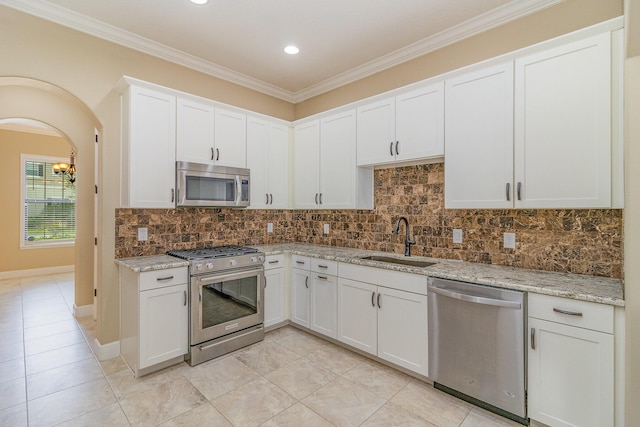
[[23, 98]]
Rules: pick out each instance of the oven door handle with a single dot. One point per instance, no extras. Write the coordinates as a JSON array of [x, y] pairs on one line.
[[214, 278]]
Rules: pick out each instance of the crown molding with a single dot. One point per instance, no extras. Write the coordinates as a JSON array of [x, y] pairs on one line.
[[509, 12]]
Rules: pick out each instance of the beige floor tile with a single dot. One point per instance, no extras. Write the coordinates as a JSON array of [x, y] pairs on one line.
[[12, 369], [12, 393], [113, 366], [336, 358], [70, 403], [296, 416], [380, 379], [11, 321], [53, 342], [111, 416], [431, 404], [480, 418], [47, 318], [124, 384], [253, 403], [393, 415], [301, 377], [203, 415], [47, 330], [59, 357], [11, 337], [302, 343], [63, 377], [266, 357], [344, 403], [280, 333], [42, 307], [219, 376], [15, 416], [161, 403], [10, 351]]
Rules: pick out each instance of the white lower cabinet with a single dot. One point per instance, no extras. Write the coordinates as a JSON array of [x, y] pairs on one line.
[[324, 304], [571, 365], [300, 291], [389, 323], [154, 327], [273, 290]]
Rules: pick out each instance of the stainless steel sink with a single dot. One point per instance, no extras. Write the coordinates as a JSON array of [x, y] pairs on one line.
[[402, 261]]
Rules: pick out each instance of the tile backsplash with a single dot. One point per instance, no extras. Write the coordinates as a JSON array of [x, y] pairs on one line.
[[583, 241]]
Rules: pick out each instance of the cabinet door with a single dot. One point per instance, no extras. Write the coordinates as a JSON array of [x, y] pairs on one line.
[[570, 375], [273, 296], [150, 176], [420, 123], [563, 126], [164, 324], [338, 161], [357, 315], [230, 138], [300, 297], [376, 133], [324, 304], [195, 132], [257, 156], [403, 329], [479, 139], [278, 160], [306, 165]]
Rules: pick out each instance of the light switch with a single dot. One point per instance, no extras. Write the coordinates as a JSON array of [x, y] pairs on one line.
[[326, 229], [457, 235], [510, 240], [143, 234], [270, 227]]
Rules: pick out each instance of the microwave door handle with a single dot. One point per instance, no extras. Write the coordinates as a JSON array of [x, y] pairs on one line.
[[238, 190]]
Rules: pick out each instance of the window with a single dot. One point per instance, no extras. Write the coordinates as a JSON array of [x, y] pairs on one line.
[[49, 216]]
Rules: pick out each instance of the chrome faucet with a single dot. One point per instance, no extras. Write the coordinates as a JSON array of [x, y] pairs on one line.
[[407, 241]]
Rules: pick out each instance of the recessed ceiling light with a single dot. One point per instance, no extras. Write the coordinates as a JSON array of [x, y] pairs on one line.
[[291, 50], [199, 1]]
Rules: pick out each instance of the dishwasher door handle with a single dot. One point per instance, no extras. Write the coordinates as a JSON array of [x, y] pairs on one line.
[[474, 298]]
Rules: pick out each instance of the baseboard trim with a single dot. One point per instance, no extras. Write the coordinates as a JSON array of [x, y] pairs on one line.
[[15, 274], [82, 311], [105, 351]]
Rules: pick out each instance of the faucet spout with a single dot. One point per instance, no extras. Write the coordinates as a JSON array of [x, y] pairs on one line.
[[407, 240]]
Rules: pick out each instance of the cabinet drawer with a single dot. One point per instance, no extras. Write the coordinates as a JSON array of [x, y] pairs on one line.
[[274, 261], [163, 278], [324, 266], [301, 262], [584, 314]]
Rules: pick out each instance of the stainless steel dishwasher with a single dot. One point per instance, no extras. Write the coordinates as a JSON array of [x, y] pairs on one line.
[[477, 345]]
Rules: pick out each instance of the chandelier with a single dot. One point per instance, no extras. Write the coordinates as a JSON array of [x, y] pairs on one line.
[[68, 169]]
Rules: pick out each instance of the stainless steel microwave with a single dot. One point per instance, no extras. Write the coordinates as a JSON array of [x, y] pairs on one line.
[[202, 185]]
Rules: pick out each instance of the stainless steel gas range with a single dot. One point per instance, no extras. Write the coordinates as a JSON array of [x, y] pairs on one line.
[[225, 297]]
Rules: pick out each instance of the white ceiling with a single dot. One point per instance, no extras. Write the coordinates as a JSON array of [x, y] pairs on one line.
[[242, 40]]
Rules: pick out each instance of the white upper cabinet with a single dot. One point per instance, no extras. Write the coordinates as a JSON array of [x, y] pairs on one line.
[[267, 158], [230, 138], [195, 132], [405, 128], [533, 133], [563, 126], [326, 175], [479, 139], [148, 148]]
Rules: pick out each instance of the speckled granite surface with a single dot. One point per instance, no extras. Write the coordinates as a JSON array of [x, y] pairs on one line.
[[152, 262], [576, 286]]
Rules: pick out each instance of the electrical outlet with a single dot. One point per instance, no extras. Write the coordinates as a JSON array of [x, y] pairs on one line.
[[326, 229], [143, 234], [457, 235], [270, 227], [510, 240]]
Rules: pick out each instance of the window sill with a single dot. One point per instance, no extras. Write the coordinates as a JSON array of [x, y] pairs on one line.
[[48, 245]]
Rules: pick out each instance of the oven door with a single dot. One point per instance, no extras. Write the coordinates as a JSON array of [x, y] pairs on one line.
[[223, 303]]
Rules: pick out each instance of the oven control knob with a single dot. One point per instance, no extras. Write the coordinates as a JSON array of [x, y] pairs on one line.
[[198, 267], [209, 266], [232, 262], [261, 258], [254, 259]]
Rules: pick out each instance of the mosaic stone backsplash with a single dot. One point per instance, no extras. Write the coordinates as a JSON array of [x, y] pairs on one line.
[[582, 241]]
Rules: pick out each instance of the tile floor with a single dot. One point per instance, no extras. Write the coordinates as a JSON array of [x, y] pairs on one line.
[[49, 376]]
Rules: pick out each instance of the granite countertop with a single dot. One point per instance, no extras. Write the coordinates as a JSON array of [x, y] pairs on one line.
[[150, 263], [575, 286]]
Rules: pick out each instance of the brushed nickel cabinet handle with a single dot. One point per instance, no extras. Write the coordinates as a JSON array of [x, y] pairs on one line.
[[322, 277], [265, 282], [160, 279], [533, 338], [322, 266], [185, 298], [275, 261], [397, 150], [508, 191], [217, 154], [306, 282], [316, 198], [270, 198], [211, 153], [379, 306], [300, 262], [373, 299], [320, 198], [518, 190], [173, 195], [391, 148], [568, 313]]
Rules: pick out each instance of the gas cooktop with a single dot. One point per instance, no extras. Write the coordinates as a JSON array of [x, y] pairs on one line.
[[212, 252]]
